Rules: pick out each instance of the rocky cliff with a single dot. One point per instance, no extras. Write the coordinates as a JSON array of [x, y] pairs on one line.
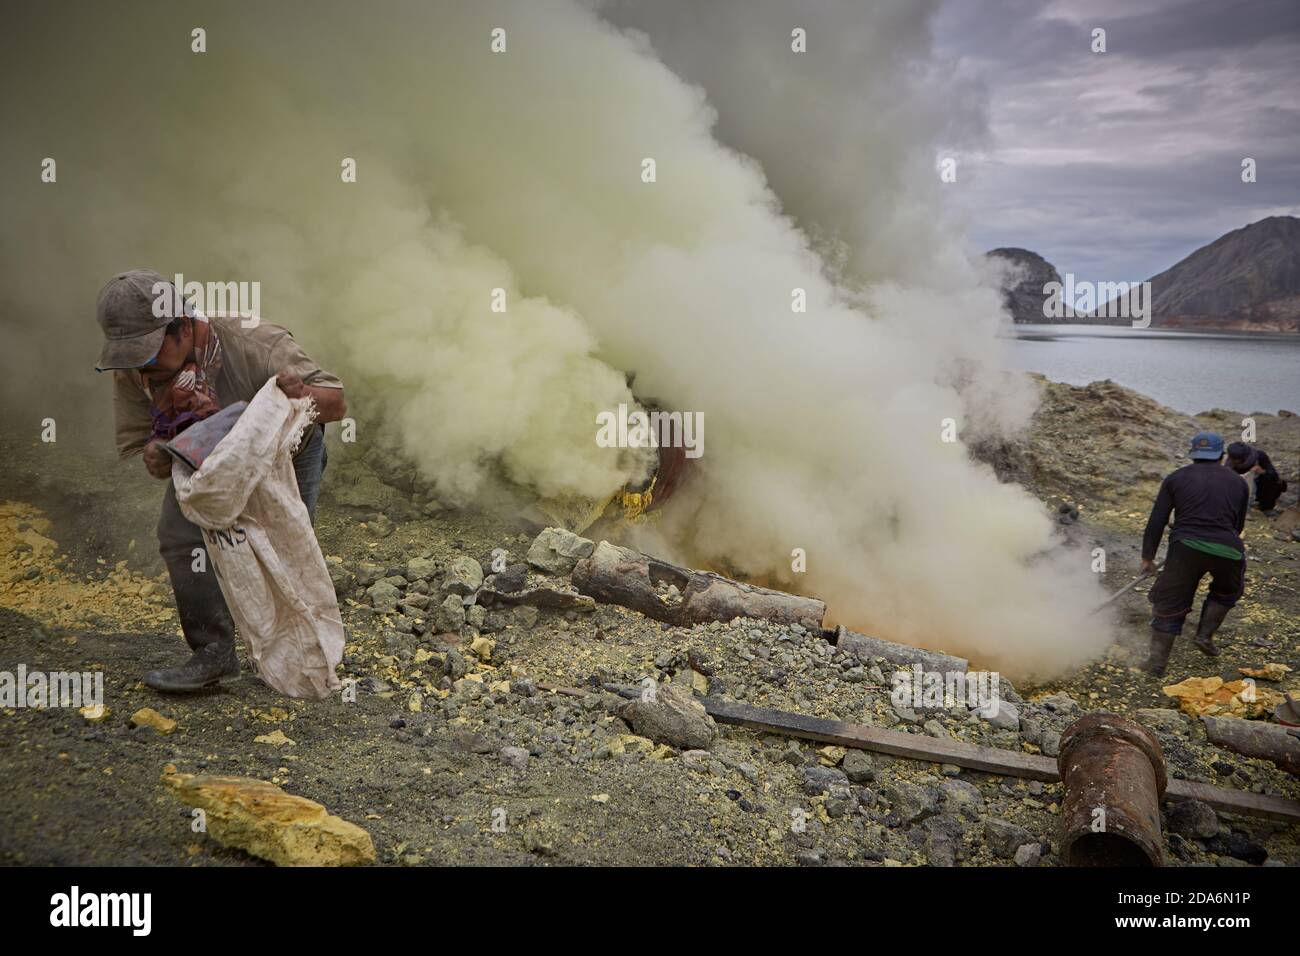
[[1023, 274]]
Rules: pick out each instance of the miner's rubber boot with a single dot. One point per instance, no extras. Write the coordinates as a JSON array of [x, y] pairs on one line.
[[1212, 615], [1162, 645], [210, 665], [209, 630]]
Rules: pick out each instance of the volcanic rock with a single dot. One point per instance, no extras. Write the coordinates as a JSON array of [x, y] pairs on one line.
[[1004, 838], [1193, 819], [342, 579], [383, 596], [450, 615], [464, 576], [368, 573], [910, 801], [858, 766], [672, 716], [556, 551], [510, 580], [420, 569], [1029, 854], [516, 757]]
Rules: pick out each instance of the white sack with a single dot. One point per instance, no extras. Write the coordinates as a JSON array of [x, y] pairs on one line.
[[263, 547]]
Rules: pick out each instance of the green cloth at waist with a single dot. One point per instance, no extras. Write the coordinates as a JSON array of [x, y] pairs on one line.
[[1214, 548]]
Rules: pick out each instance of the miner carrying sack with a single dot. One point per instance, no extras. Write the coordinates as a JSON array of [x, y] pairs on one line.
[[1209, 504], [173, 366]]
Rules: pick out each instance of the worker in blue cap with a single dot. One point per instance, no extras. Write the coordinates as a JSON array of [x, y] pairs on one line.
[[1209, 504]]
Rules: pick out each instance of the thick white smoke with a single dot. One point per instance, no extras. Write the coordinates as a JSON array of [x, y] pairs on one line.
[[522, 170]]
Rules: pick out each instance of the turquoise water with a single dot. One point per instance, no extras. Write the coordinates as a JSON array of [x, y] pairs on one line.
[[1188, 371]]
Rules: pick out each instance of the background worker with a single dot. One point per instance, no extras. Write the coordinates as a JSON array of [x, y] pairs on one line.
[[1248, 461]]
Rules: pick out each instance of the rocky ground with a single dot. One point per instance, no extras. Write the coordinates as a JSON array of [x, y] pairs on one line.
[[451, 750]]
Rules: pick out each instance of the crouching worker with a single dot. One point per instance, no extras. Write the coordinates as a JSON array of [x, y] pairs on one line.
[[1209, 504], [1254, 464], [169, 373]]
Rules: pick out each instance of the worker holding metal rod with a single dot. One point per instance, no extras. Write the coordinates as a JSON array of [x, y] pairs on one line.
[[1208, 504]]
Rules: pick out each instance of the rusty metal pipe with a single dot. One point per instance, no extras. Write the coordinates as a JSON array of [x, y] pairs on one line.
[[1254, 738], [1114, 776]]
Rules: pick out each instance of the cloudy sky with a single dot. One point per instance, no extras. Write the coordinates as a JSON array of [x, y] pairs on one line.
[[1115, 165]]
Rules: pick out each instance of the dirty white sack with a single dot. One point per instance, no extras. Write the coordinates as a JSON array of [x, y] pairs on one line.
[[263, 548]]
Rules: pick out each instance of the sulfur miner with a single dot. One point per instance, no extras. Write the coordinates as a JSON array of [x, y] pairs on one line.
[[169, 373]]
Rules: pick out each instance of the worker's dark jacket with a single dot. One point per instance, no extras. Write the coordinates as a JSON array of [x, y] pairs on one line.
[[1267, 464], [1209, 503]]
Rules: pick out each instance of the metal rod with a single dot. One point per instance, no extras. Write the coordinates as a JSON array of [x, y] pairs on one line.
[[1126, 588]]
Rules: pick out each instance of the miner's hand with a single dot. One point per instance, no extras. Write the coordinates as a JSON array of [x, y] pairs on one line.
[[156, 461], [1148, 565], [291, 385]]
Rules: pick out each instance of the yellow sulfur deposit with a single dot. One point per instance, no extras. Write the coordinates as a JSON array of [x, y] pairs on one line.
[[1269, 671], [1213, 697]]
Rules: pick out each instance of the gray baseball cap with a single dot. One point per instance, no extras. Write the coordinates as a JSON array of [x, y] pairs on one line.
[[133, 331]]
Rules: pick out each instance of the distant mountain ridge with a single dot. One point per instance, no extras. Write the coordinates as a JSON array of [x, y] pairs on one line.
[[1246, 280]]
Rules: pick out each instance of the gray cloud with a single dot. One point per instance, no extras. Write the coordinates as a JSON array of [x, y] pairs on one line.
[[1116, 165]]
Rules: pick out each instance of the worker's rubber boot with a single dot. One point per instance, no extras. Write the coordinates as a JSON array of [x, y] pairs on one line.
[[1212, 615], [1162, 645], [210, 665], [209, 630]]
